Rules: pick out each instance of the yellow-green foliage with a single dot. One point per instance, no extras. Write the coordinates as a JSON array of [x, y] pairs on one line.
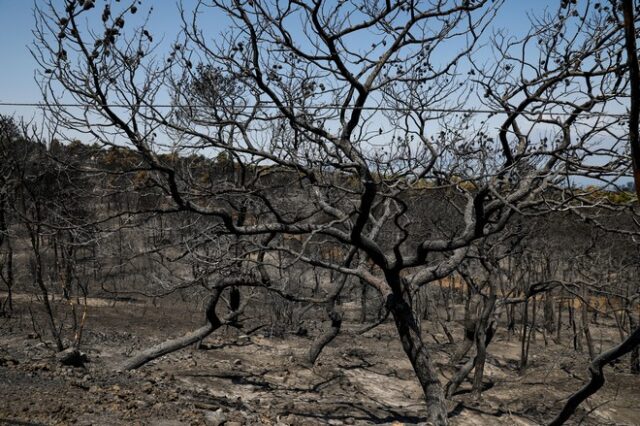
[[616, 197]]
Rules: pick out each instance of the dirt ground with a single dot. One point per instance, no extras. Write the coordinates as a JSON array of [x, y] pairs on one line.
[[237, 379]]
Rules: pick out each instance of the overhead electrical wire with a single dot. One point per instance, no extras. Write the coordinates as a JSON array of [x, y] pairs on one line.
[[272, 105]]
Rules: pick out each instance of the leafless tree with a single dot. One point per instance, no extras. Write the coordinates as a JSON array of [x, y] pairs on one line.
[[358, 136], [9, 134]]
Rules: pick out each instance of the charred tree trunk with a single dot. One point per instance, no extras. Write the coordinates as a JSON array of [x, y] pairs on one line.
[[616, 316], [325, 338], [363, 301], [446, 302], [445, 329], [459, 376], [213, 323], [466, 344], [399, 304], [483, 338], [549, 314], [634, 80], [634, 118], [635, 352], [597, 376], [234, 298], [523, 336], [559, 326], [534, 324], [35, 237], [6, 307], [8, 280], [585, 324], [470, 329], [511, 320], [577, 341], [424, 298]]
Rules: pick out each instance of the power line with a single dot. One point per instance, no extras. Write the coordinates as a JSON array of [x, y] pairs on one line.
[[273, 105]]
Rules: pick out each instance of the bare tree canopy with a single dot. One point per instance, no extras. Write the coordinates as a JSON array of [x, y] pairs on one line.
[[393, 144]]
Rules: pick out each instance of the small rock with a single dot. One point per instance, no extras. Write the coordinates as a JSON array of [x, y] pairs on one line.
[[6, 362], [290, 419], [237, 362], [72, 357], [41, 366], [215, 418], [288, 406]]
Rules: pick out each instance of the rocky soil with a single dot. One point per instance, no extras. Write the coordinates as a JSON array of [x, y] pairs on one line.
[[237, 379]]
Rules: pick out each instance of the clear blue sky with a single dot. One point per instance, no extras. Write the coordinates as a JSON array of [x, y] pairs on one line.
[[17, 83], [17, 73]]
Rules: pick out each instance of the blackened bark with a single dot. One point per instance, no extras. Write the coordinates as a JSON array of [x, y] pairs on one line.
[[234, 298], [577, 341], [363, 302], [585, 323], [55, 334], [164, 348], [325, 338], [470, 328], [634, 116], [6, 307], [549, 314], [465, 345], [634, 80], [459, 376], [524, 355], [597, 376], [483, 338], [634, 367], [7, 278], [559, 326], [511, 320], [418, 354]]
